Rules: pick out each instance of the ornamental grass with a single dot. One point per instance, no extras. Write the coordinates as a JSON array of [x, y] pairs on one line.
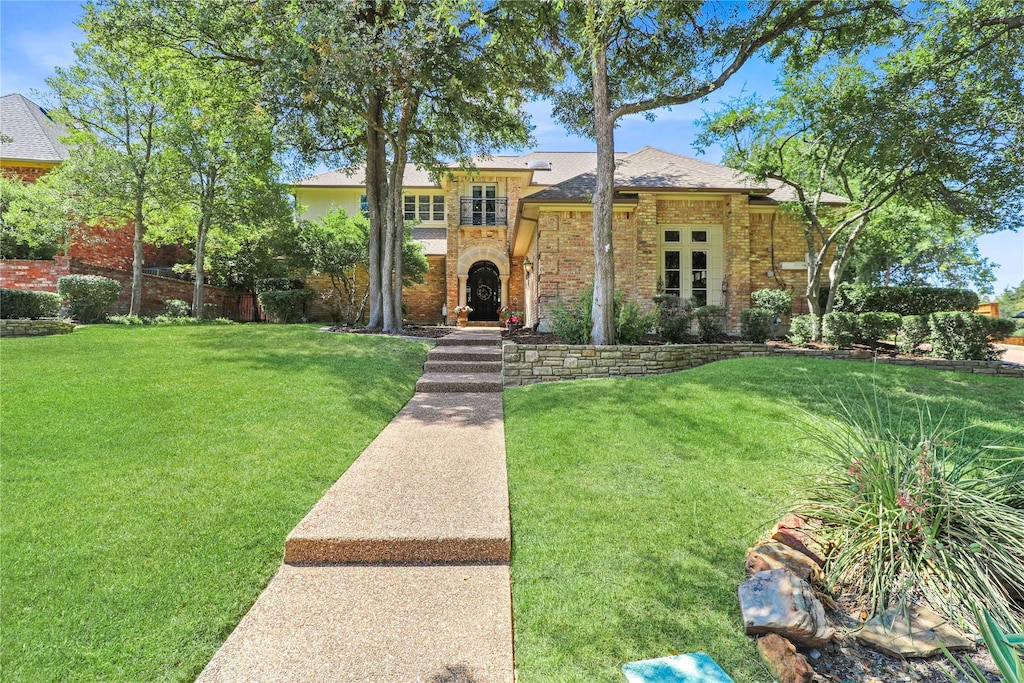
[[919, 509]]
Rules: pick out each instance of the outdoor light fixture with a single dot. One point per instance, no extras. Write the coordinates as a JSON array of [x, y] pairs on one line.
[[527, 265]]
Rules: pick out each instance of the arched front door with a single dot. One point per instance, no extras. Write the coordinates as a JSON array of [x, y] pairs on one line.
[[483, 291]]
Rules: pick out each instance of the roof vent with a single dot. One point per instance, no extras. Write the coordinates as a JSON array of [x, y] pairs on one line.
[[539, 165]]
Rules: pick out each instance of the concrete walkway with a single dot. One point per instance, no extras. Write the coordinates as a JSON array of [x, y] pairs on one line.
[[400, 572]]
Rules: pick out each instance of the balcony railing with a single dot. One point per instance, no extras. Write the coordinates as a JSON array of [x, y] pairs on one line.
[[483, 211]]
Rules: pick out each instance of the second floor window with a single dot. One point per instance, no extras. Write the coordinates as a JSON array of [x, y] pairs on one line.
[[364, 206], [424, 207]]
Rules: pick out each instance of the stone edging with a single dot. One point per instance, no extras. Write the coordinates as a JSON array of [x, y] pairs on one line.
[[23, 327], [523, 364]]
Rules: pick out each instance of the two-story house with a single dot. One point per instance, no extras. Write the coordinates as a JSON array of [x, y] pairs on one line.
[[517, 232]]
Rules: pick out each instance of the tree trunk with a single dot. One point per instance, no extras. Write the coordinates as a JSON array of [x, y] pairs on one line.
[[603, 311], [199, 291], [375, 199], [138, 258]]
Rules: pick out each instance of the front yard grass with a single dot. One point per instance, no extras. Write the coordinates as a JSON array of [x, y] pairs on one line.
[[634, 501], [151, 474]]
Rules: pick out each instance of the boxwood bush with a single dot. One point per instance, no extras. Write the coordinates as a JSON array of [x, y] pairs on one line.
[[874, 326], [839, 329], [675, 316], [801, 329], [756, 323], [24, 303], [778, 301], [176, 308], [286, 305], [914, 331], [960, 335], [904, 300], [710, 322], [88, 296]]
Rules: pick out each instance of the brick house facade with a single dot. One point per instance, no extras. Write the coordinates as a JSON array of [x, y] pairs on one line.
[[517, 232]]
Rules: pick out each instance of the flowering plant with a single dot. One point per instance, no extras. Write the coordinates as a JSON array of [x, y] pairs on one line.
[[463, 309], [505, 309], [515, 317]]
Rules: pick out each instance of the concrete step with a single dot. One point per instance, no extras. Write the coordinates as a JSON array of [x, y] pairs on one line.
[[471, 338], [479, 367], [355, 624], [454, 382], [430, 489], [465, 353]]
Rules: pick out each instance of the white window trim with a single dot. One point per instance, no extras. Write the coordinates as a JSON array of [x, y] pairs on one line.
[[716, 258]]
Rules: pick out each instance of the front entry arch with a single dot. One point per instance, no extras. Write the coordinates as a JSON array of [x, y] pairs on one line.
[[483, 291]]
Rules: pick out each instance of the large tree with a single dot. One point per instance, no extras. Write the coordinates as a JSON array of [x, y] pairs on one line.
[[635, 57], [111, 99], [930, 123]]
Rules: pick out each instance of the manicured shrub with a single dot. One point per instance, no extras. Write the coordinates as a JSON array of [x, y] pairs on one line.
[[904, 300], [176, 308], [278, 284], [88, 296], [801, 329], [932, 513], [23, 303], [756, 323], [914, 331], [875, 326], [571, 321], [710, 322], [778, 301], [958, 335], [839, 329], [286, 305], [632, 323], [675, 316], [1001, 328]]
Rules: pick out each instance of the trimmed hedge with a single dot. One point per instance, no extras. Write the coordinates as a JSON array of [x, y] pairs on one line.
[[24, 303], [800, 329], [287, 305], [710, 322], [960, 335], [176, 308], [778, 301], [873, 326], [914, 331], [756, 324], [675, 316], [839, 329], [88, 296], [904, 300]]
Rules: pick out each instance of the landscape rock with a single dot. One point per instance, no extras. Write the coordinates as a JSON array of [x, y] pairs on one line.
[[919, 636], [799, 534], [768, 555], [786, 664], [778, 601]]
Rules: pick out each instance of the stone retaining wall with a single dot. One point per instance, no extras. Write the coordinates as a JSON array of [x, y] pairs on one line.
[[34, 328], [531, 363]]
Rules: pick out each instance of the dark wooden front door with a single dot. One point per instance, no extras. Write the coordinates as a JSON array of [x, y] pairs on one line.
[[483, 291]]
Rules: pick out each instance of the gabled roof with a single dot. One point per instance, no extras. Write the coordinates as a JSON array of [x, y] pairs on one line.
[[784, 193], [34, 136]]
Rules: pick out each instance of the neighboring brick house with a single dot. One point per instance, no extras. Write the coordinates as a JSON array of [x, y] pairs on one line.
[[31, 147], [517, 232]]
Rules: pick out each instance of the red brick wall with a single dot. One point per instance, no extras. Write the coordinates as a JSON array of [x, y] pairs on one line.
[[156, 290], [111, 247], [28, 174], [39, 276]]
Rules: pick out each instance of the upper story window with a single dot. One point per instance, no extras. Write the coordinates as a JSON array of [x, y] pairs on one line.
[[424, 207], [484, 206], [364, 206]]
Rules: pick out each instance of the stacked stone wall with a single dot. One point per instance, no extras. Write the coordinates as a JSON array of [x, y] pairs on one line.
[[524, 364], [34, 328]]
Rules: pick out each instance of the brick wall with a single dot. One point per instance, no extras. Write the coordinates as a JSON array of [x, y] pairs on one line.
[[156, 290], [425, 301], [111, 247], [40, 276], [28, 174]]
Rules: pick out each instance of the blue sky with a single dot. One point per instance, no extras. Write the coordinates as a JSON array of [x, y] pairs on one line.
[[37, 35]]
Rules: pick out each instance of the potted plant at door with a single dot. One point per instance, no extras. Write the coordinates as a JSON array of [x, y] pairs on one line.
[[514, 320], [503, 313], [462, 315]]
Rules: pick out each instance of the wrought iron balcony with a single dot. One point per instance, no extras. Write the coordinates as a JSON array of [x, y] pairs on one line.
[[483, 211]]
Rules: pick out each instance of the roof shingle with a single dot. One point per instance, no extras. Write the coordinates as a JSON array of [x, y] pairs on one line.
[[34, 136]]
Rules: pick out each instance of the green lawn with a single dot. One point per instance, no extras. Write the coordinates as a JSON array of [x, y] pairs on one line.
[[151, 474], [634, 501]]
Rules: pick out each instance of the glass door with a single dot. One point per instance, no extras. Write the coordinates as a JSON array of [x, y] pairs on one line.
[[484, 204]]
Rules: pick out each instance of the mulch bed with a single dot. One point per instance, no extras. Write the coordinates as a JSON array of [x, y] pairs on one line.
[[425, 331]]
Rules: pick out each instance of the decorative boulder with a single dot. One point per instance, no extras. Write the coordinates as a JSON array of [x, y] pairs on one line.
[[799, 534], [786, 664], [768, 555], [778, 601], [896, 635]]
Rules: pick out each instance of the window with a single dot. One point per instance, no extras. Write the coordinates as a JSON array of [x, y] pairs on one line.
[[364, 206], [424, 207], [484, 207]]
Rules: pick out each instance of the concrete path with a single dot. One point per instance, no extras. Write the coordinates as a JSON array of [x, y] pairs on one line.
[[400, 572]]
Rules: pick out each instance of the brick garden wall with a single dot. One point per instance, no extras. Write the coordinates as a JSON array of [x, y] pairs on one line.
[[524, 364], [111, 247], [39, 276]]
